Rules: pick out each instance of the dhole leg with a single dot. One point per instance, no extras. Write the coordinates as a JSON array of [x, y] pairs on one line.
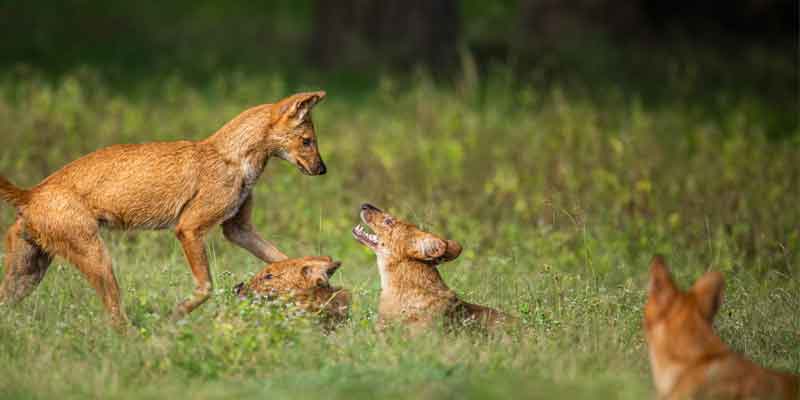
[[241, 232], [194, 250], [25, 266], [93, 260]]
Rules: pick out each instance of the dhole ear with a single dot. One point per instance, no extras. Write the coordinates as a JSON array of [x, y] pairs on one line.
[[427, 248], [237, 290], [661, 289], [297, 107], [708, 291], [452, 252]]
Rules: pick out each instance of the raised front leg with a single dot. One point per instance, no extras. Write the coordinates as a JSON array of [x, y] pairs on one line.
[[240, 231]]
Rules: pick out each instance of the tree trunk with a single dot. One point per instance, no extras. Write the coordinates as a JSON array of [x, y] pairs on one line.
[[397, 32]]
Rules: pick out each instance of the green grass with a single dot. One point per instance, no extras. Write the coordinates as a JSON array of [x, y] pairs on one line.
[[559, 199]]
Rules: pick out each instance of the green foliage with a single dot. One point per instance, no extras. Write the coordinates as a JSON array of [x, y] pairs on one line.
[[558, 198]]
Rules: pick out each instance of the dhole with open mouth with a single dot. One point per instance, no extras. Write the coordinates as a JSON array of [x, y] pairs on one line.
[[187, 186], [412, 290], [306, 282], [688, 360]]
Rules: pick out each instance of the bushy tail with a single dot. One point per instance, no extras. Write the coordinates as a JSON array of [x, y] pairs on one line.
[[12, 194]]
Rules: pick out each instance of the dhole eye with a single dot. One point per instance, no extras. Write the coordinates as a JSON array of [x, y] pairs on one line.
[[388, 221], [306, 142], [267, 277]]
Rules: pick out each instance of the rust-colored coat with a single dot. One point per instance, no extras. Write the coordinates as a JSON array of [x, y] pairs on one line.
[[412, 290], [688, 360], [187, 186], [305, 282]]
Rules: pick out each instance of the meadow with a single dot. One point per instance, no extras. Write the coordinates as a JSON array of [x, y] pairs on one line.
[[559, 194]]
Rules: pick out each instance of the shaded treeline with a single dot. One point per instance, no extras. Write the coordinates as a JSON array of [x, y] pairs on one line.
[[744, 49], [359, 33]]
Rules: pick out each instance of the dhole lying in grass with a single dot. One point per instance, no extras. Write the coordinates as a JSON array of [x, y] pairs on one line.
[[412, 291], [688, 360], [304, 281], [187, 186]]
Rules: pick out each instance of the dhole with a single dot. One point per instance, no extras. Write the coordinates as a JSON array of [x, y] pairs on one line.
[[187, 186], [306, 282], [412, 291], [688, 360]]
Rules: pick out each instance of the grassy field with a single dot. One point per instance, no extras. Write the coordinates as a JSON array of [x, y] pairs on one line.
[[559, 197]]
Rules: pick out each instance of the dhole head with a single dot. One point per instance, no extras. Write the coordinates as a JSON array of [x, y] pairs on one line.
[[293, 131], [400, 239], [678, 319], [287, 276]]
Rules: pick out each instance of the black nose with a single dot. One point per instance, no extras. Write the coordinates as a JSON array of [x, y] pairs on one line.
[[321, 170], [367, 206]]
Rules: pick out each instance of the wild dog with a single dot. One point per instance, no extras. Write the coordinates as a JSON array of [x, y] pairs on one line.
[[412, 290], [304, 281], [187, 186], [688, 360]]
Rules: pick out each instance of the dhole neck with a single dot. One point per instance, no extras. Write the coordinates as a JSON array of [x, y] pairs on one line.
[[412, 274], [246, 140]]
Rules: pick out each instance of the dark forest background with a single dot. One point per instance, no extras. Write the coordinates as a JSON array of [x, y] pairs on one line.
[[740, 46], [200, 36]]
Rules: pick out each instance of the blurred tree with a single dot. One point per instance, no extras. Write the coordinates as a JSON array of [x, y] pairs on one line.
[[397, 32], [550, 23]]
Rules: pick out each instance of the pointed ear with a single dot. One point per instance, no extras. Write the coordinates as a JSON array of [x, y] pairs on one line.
[[708, 291], [237, 290], [452, 252], [298, 106], [427, 247], [661, 289]]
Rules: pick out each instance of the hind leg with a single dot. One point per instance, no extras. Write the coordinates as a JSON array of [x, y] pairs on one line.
[[64, 226], [90, 256], [25, 265]]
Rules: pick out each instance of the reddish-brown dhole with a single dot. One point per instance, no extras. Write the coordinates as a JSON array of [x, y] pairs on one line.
[[304, 281], [188, 186], [413, 292], [687, 358]]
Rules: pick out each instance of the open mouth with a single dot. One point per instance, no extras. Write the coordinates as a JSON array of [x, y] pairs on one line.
[[303, 169], [366, 238]]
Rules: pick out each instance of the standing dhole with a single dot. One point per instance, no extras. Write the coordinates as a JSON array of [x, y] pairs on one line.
[[187, 186], [688, 360]]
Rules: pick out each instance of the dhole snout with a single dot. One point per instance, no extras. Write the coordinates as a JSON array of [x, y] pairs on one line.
[[401, 239]]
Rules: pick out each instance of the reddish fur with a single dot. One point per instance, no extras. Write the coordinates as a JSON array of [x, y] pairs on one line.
[[305, 281], [688, 360], [187, 186], [412, 290]]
